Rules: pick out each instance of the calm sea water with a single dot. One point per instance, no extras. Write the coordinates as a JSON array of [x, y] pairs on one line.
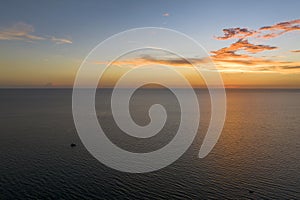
[[258, 151]]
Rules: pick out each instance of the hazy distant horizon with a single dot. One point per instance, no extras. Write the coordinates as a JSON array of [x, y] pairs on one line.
[[204, 88]]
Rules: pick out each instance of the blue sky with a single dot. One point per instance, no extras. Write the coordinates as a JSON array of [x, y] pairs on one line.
[[89, 22]]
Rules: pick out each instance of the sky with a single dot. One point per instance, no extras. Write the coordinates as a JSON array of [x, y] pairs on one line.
[[254, 44]]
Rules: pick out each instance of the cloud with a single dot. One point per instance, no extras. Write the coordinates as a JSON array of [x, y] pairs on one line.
[[239, 33], [24, 32], [61, 40], [265, 32], [240, 45], [166, 14], [291, 67], [179, 62], [229, 63], [237, 57], [256, 64], [237, 53], [279, 29], [19, 31], [295, 51], [149, 60]]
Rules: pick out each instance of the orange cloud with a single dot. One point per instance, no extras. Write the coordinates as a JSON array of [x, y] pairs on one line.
[[229, 63], [239, 33], [251, 64], [279, 29], [265, 32], [295, 51], [237, 57], [241, 45], [149, 60], [229, 55]]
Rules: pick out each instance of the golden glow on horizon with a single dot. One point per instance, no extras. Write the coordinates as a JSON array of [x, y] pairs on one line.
[[238, 63], [234, 75]]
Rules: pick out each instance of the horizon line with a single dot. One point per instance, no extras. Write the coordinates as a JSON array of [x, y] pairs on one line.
[[237, 88]]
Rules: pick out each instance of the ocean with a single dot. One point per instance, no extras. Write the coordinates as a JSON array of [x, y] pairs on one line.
[[257, 155]]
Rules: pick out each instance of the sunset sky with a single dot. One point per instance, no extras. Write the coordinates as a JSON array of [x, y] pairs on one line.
[[254, 44]]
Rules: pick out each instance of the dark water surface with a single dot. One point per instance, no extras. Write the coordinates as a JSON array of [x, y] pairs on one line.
[[259, 149]]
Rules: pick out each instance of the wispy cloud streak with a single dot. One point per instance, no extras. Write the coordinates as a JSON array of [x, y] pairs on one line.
[[25, 32], [295, 51], [61, 40], [19, 31], [223, 64]]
